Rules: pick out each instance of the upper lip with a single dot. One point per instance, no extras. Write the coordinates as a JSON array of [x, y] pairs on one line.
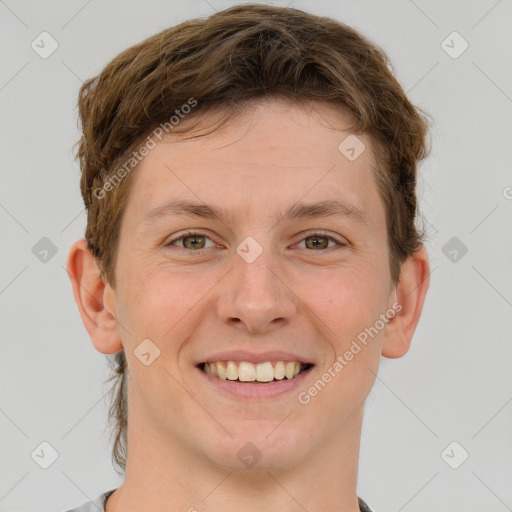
[[254, 357]]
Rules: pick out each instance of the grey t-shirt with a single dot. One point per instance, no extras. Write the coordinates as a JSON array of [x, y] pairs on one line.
[[98, 505]]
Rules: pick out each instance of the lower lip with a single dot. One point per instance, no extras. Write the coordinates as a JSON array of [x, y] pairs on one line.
[[256, 391]]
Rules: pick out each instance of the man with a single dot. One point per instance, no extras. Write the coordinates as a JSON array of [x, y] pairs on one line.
[[250, 254]]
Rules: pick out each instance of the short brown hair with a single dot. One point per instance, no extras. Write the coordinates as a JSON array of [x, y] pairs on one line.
[[243, 53]]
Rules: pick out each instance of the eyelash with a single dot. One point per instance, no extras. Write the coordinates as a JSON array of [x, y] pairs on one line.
[[311, 234]]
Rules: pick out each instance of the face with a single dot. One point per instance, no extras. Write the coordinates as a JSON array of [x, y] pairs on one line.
[[251, 280]]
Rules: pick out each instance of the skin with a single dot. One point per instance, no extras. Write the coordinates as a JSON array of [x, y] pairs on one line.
[[183, 434]]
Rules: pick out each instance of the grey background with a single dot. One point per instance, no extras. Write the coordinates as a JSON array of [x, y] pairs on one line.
[[453, 385]]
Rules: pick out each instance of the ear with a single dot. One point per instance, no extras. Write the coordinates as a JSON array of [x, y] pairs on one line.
[[410, 294], [95, 299]]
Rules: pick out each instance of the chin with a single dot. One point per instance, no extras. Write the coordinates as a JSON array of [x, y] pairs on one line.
[[263, 447]]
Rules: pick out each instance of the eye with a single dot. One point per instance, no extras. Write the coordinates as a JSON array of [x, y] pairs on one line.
[[320, 241], [196, 242], [192, 241]]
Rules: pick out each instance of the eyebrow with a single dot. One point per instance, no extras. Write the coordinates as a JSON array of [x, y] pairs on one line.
[[300, 210]]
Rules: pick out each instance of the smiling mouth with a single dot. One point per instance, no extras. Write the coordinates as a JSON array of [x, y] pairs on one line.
[[244, 371]]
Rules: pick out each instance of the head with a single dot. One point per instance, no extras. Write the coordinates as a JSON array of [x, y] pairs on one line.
[[248, 110]]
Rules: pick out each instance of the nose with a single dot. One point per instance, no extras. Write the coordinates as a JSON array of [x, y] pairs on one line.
[[255, 296]]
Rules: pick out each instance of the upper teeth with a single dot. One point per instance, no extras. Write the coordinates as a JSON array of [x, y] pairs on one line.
[[249, 372]]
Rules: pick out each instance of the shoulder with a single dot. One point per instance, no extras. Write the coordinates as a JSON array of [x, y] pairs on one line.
[[97, 505], [363, 507]]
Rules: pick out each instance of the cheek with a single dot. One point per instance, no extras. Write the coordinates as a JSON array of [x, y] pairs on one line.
[[347, 302], [159, 300], [345, 299]]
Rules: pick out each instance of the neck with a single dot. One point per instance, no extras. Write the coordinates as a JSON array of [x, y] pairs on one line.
[[161, 476], [165, 473]]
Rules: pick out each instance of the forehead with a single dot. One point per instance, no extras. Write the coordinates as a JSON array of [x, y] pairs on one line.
[[273, 155]]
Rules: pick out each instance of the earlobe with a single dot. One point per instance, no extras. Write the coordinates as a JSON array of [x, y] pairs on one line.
[[410, 295], [94, 298]]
